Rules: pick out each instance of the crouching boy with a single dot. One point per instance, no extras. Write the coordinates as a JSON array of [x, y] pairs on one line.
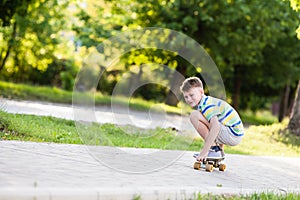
[[215, 120]]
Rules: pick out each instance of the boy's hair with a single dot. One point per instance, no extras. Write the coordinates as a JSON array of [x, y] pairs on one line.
[[190, 83]]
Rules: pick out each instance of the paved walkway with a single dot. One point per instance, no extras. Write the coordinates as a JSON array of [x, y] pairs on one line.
[[57, 171]]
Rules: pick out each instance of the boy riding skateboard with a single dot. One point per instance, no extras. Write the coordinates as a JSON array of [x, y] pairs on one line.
[[215, 120]]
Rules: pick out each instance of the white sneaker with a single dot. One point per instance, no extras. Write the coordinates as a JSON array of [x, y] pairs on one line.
[[216, 152]]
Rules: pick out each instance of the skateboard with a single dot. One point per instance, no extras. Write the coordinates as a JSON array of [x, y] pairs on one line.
[[210, 163]]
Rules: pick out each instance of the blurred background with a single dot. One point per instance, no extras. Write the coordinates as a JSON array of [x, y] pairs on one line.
[[253, 43]]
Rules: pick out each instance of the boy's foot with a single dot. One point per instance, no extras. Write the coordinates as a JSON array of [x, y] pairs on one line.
[[214, 152]]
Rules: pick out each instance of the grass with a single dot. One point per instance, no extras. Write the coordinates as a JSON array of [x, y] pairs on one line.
[[22, 91], [256, 196], [38, 129], [50, 129], [275, 137], [263, 117]]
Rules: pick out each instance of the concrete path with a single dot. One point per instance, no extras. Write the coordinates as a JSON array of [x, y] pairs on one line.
[[59, 171]]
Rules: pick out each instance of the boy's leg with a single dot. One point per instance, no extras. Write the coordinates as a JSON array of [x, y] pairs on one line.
[[202, 126], [200, 123]]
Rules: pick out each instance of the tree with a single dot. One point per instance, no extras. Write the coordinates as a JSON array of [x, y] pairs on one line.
[[281, 67], [294, 123], [8, 11], [295, 4], [33, 39], [241, 36], [241, 42], [235, 33]]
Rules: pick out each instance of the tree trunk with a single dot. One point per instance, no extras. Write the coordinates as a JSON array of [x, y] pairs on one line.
[[174, 92], [135, 81], [294, 124], [10, 45], [237, 86], [283, 107]]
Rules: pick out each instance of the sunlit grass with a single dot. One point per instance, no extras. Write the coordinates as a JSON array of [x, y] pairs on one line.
[[268, 140], [259, 117], [50, 129], [28, 92]]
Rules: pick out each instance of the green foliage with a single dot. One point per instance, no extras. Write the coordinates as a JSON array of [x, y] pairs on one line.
[[95, 22], [60, 73], [68, 75], [295, 4], [10, 8], [237, 34], [252, 42], [32, 42], [252, 31]]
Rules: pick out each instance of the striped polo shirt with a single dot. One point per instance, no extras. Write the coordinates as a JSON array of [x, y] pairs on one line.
[[227, 115]]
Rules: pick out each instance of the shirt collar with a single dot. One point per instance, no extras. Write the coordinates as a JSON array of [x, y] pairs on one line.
[[200, 104]]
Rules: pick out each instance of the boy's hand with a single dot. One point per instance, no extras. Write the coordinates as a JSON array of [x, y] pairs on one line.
[[202, 156]]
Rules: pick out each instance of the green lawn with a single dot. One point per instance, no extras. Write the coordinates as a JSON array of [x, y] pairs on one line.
[[272, 140], [50, 129]]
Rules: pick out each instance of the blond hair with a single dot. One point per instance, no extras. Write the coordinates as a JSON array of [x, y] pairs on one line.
[[189, 83]]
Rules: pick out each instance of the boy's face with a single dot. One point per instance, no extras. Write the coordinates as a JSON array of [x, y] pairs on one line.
[[193, 96]]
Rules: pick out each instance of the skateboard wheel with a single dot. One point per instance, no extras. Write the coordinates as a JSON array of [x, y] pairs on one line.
[[222, 167], [209, 168], [197, 165]]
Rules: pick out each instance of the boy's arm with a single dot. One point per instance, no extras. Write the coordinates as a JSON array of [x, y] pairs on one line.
[[214, 129]]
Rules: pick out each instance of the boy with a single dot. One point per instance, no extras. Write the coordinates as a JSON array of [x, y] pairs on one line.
[[215, 120]]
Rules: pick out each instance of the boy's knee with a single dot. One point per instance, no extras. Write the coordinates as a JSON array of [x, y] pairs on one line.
[[196, 117]]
